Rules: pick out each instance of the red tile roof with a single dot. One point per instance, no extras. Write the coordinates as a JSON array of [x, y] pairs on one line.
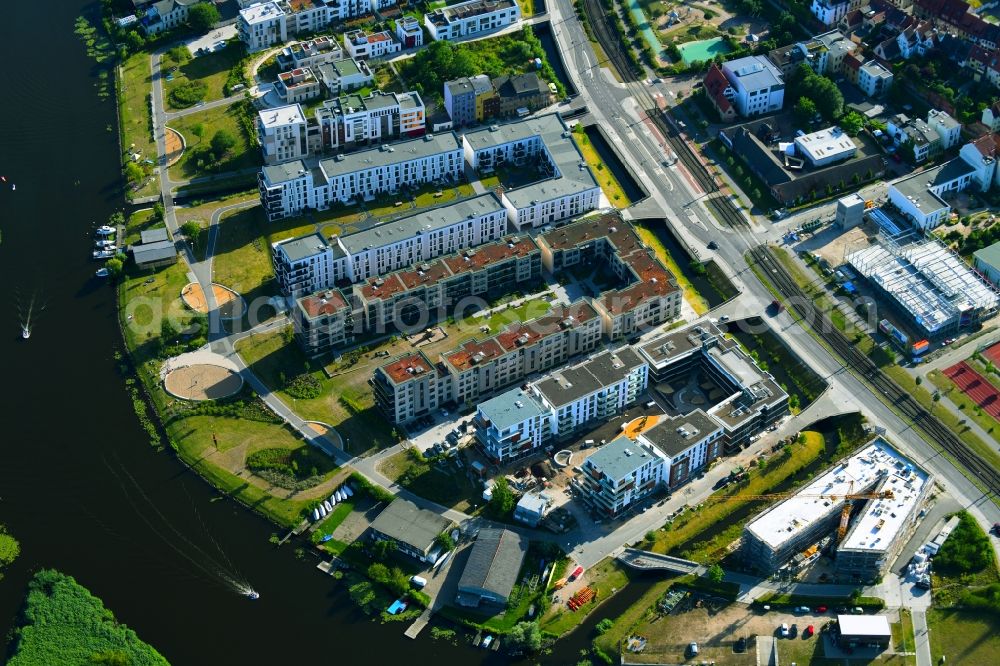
[[715, 85]]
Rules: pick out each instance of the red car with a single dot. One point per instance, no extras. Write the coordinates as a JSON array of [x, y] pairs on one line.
[[809, 631], [820, 609]]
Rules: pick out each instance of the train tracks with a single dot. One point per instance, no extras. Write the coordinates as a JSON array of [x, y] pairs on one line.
[[798, 301]]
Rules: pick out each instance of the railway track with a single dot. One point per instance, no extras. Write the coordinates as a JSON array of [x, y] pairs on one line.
[[807, 309]]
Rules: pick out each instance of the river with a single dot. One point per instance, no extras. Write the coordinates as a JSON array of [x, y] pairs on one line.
[[80, 486]]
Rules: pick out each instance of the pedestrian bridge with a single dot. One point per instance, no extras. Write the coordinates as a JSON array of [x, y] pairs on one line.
[[644, 560]]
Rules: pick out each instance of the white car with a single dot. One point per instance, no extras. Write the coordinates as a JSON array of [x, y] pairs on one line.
[[784, 630]]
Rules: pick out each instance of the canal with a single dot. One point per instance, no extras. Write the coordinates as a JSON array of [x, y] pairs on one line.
[[80, 486]]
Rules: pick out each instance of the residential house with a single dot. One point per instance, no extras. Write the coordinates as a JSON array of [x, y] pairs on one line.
[[522, 92], [829, 12], [469, 100], [948, 128], [298, 85], [470, 18], [412, 529], [720, 93], [991, 117], [758, 85], [312, 53], [344, 75], [282, 133], [409, 34], [262, 25], [873, 78], [365, 46], [166, 15]]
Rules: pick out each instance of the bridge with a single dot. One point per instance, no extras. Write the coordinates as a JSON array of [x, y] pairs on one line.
[[644, 560]]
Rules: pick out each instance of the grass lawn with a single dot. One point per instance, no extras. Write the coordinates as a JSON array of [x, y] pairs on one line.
[[133, 105], [605, 579], [497, 320], [651, 238], [212, 70], [193, 437], [345, 401], [426, 479], [609, 184], [622, 625], [242, 259], [333, 520], [687, 528], [963, 637], [202, 210], [207, 123]]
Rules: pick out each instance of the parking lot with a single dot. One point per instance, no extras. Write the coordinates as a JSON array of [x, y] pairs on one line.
[[435, 428]]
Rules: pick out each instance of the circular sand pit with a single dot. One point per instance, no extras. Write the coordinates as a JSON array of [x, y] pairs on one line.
[[563, 458], [230, 303], [175, 146], [202, 382]]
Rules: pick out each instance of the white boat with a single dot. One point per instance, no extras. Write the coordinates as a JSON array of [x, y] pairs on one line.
[[327, 506], [322, 511], [103, 254], [315, 514], [333, 499], [102, 272], [487, 641], [442, 560], [347, 490], [339, 495], [253, 595], [25, 331], [105, 230], [103, 243]]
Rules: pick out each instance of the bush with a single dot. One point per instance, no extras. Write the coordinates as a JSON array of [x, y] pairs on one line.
[[967, 550], [304, 387], [188, 94], [604, 625]]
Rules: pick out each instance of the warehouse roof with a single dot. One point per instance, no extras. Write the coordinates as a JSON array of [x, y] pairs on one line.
[[407, 523], [494, 562]]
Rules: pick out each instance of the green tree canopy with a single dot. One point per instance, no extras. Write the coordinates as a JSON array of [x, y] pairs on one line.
[[525, 636], [502, 502], [852, 122], [804, 110], [715, 573], [203, 16], [9, 547], [222, 143]]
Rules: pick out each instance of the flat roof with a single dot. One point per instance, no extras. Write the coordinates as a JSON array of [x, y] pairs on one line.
[[283, 172], [512, 407], [408, 366], [675, 344], [281, 116], [323, 303], [829, 143], [608, 226], [877, 466], [989, 255], [422, 222], [404, 521], [602, 370], [573, 174], [428, 145], [297, 249], [263, 11], [619, 458], [754, 72], [676, 434], [915, 187], [864, 625]]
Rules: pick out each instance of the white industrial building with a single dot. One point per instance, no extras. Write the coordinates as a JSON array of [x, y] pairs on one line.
[[288, 188], [757, 85], [879, 528], [938, 291], [312, 263], [471, 18], [567, 188], [826, 146]]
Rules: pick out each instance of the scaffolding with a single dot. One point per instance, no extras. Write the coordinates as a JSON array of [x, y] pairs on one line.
[[927, 279]]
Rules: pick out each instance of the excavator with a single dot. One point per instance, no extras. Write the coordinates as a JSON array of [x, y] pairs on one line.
[[845, 515]]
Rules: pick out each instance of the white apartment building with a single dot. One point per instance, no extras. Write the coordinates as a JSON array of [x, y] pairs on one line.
[[409, 387], [312, 53], [949, 129], [282, 133], [363, 45], [409, 34], [352, 121], [686, 443], [262, 25], [981, 155], [567, 187], [165, 15], [344, 75], [312, 263], [471, 18], [288, 188], [758, 85], [512, 425], [874, 79], [829, 12]]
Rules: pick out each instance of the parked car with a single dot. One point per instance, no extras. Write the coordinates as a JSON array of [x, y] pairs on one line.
[[693, 649], [712, 245], [996, 529], [858, 610], [802, 609], [784, 630], [741, 645], [821, 609], [809, 631]]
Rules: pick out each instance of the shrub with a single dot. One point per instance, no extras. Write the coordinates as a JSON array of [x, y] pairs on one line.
[[188, 94], [304, 387], [604, 625], [967, 550]]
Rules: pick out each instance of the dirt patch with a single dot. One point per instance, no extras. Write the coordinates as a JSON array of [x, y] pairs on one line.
[[324, 431], [175, 146], [203, 382], [838, 247], [229, 302]]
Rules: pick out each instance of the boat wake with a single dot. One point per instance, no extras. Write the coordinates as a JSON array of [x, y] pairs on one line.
[[216, 567], [25, 314]]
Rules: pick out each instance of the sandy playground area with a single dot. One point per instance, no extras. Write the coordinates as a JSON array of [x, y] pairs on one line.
[[202, 382], [230, 303]]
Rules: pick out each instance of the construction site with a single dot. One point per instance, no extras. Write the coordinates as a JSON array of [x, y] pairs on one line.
[[861, 512]]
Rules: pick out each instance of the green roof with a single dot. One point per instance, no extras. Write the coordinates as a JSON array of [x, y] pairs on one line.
[[989, 255]]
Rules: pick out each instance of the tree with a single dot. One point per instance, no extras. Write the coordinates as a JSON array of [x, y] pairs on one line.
[[804, 110], [603, 626], [179, 55], [525, 636], [114, 266], [134, 41], [445, 541], [715, 573], [222, 143], [502, 502], [383, 549], [198, 130], [192, 231], [852, 123], [9, 548], [203, 16], [134, 173], [158, 210]]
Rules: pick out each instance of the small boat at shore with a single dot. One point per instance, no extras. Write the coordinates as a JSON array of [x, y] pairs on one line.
[[333, 499], [102, 272], [327, 506], [347, 490], [315, 515], [325, 538], [103, 243], [104, 254], [105, 230], [340, 495], [322, 511], [487, 641], [25, 331]]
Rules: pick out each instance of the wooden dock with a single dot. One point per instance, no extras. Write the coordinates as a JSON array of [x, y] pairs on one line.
[[328, 567], [419, 624]]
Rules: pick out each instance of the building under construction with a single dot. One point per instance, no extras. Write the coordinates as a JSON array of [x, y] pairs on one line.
[[938, 291], [889, 490]]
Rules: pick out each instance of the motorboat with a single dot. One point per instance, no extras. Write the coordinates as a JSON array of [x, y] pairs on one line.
[[323, 511], [442, 560], [487, 641], [333, 499], [327, 506], [253, 595], [103, 242], [105, 230], [25, 331], [104, 254], [102, 272], [340, 495]]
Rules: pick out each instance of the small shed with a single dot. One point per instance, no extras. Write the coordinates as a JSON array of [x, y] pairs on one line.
[[863, 630]]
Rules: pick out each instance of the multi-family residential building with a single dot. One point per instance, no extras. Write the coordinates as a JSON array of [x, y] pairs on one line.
[[282, 133], [323, 322], [482, 367], [757, 84], [409, 34], [364, 45], [469, 18], [874, 79], [288, 188], [956, 17], [312, 53], [408, 387], [297, 85], [720, 93], [313, 263], [470, 100], [344, 75], [949, 129], [353, 121], [165, 15], [982, 155], [829, 12], [921, 137], [512, 425], [262, 25], [918, 196], [521, 94], [991, 117], [916, 40], [567, 188]]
